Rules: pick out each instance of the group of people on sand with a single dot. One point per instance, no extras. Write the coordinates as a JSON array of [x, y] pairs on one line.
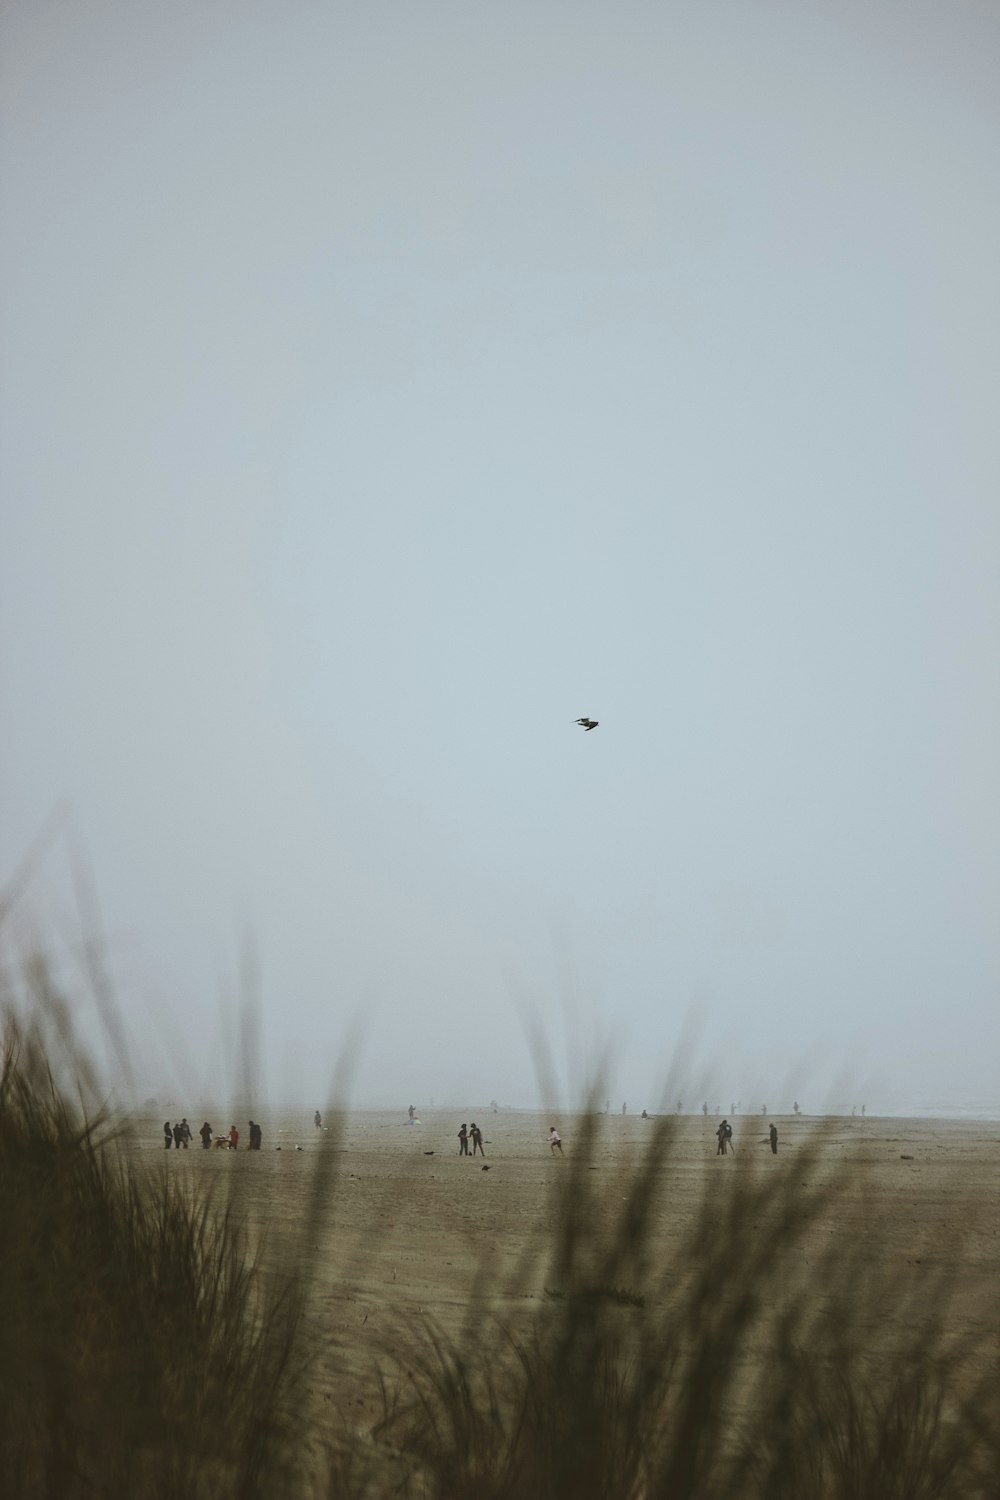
[[470, 1133], [475, 1135], [179, 1136], [724, 1136]]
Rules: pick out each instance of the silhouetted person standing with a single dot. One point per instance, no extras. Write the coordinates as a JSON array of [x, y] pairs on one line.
[[477, 1139], [772, 1136], [721, 1137], [168, 1139], [206, 1135], [463, 1140], [318, 1120]]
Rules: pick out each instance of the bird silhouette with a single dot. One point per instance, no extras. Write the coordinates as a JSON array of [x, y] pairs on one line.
[[588, 724]]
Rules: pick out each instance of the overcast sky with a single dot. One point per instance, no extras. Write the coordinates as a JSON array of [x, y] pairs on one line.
[[384, 386]]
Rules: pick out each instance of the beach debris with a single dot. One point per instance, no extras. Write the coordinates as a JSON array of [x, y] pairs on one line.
[[588, 724], [428, 1153], [485, 1169]]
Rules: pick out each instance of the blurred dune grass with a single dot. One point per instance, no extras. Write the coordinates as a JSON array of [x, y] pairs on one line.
[[144, 1352], [731, 1368]]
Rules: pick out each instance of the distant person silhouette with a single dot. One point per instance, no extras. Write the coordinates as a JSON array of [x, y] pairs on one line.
[[318, 1120], [412, 1114], [772, 1136], [723, 1134], [168, 1138], [477, 1139], [555, 1141], [206, 1135], [463, 1140]]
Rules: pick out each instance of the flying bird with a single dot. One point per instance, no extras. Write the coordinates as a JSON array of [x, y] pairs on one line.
[[588, 724]]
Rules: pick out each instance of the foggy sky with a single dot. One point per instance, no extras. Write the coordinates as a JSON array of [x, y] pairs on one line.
[[386, 386]]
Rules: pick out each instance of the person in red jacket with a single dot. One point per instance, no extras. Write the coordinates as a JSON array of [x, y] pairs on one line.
[[234, 1138]]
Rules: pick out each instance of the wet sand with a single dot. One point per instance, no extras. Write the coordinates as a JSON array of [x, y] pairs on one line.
[[397, 1223]]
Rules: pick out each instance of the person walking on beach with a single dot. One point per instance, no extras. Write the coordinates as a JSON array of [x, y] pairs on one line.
[[772, 1136], [722, 1137], [463, 1140], [412, 1114], [477, 1139], [168, 1139], [178, 1135], [318, 1120], [206, 1136], [185, 1132], [555, 1141]]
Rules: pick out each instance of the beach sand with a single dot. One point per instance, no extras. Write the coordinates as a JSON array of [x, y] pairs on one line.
[[399, 1225]]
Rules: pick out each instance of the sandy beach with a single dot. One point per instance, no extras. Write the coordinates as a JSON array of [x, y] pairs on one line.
[[398, 1225]]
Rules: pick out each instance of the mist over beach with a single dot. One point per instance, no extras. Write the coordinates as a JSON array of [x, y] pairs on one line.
[[385, 390]]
